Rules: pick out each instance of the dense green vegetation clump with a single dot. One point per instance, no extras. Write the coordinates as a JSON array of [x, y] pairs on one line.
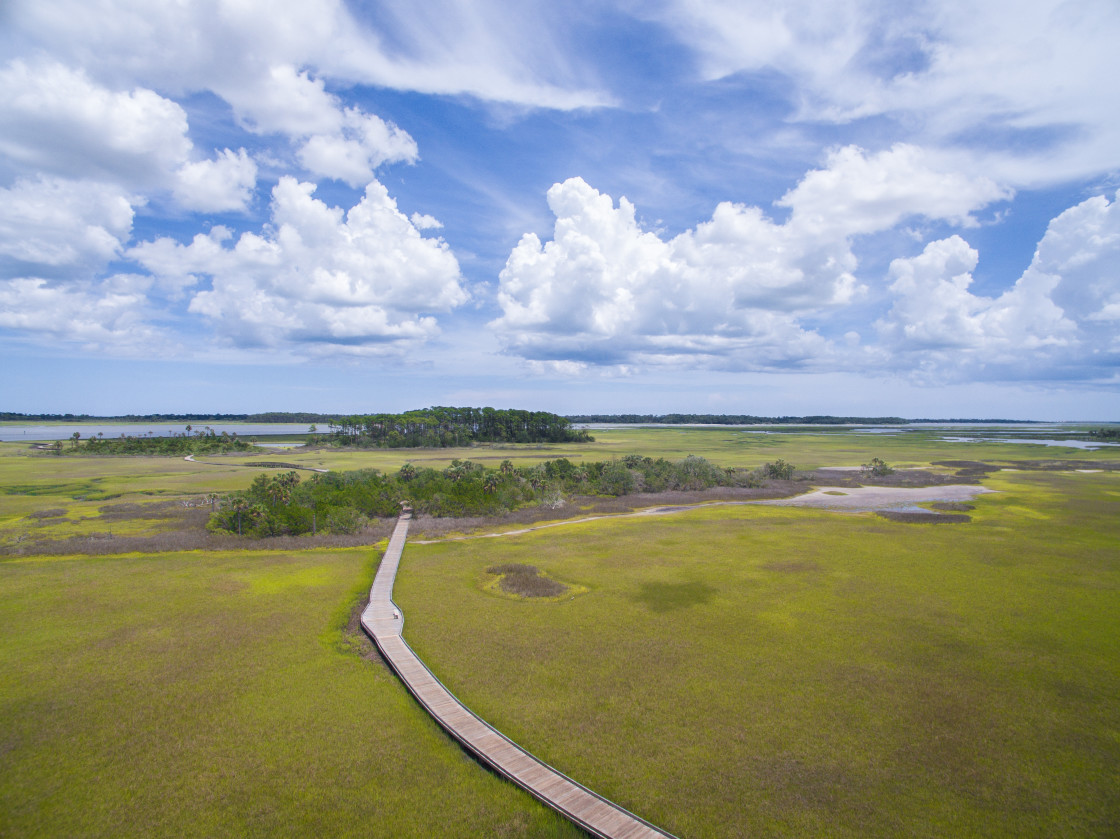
[[342, 502], [200, 442], [444, 427]]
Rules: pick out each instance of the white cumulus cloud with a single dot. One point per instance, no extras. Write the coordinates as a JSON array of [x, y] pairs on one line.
[[222, 184], [107, 315], [58, 121], [734, 291], [334, 141], [55, 226], [858, 192], [1057, 320], [361, 144], [362, 281]]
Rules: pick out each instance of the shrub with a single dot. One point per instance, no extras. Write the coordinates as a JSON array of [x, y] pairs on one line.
[[616, 479], [345, 520], [697, 473], [876, 468], [779, 470]]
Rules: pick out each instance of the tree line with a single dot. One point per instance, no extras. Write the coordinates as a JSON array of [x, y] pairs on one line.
[[192, 441], [266, 417], [1112, 433], [731, 419], [343, 502], [444, 426]]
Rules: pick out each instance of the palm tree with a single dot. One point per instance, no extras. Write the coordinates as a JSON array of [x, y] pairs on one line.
[[491, 482], [241, 506], [278, 493]]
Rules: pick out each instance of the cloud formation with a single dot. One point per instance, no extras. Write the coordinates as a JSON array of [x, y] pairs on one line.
[[246, 51], [1023, 80], [736, 290], [53, 226], [362, 281], [820, 181], [110, 314], [220, 185], [1060, 316], [58, 121]]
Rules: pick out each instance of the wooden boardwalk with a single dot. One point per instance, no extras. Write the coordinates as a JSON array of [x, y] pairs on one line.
[[384, 623]]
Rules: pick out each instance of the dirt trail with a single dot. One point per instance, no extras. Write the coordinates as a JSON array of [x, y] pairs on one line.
[[871, 499]]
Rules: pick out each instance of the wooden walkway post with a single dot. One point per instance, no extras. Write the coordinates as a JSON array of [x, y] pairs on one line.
[[384, 622]]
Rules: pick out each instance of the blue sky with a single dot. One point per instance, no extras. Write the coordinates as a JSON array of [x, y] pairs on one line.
[[669, 206]]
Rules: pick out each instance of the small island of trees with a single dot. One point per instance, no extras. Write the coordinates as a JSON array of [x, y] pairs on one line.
[[193, 441], [443, 427]]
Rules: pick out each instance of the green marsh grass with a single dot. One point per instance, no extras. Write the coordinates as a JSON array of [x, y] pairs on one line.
[[727, 671], [772, 671], [220, 694]]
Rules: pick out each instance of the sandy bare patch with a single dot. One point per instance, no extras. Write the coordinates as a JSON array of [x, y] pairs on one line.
[[853, 499], [863, 499]]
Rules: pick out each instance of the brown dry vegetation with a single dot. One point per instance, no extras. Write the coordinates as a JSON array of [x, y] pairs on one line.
[[525, 581], [54, 512], [952, 506], [924, 518], [898, 478]]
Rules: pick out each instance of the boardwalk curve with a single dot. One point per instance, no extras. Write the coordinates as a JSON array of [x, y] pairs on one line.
[[383, 621]]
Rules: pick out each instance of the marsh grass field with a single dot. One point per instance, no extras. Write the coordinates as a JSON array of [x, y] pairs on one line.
[[768, 671], [221, 694], [724, 671]]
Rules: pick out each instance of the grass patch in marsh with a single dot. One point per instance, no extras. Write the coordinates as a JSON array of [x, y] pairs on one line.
[[790, 672], [219, 694]]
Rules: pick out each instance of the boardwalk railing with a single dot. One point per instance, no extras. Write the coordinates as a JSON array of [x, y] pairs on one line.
[[383, 620]]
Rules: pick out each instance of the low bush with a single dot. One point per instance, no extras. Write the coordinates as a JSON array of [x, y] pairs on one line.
[[876, 468]]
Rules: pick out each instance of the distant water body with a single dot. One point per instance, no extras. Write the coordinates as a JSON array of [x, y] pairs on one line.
[[1032, 429], [35, 433]]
